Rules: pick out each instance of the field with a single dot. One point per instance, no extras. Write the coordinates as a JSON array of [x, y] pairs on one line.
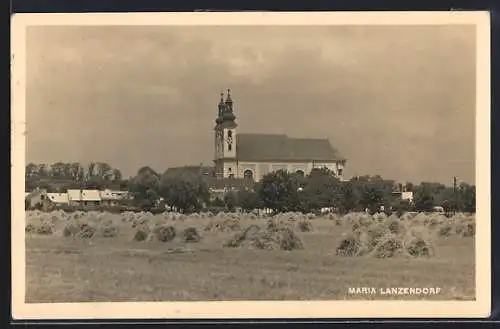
[[80, 257]]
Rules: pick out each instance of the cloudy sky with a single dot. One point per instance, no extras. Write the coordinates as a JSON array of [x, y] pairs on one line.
[[396, 101]]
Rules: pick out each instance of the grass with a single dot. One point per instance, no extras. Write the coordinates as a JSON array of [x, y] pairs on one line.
[[67, 269]]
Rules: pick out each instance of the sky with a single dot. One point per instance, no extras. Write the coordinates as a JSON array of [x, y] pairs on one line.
[[398, 101]]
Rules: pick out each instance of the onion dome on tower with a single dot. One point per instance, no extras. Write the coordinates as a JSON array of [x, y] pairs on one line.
[[228, 114]]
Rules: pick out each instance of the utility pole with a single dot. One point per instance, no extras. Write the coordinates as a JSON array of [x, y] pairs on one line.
[[455, 203]]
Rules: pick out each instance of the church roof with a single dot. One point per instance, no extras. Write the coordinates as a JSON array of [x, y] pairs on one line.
[[269, 147]]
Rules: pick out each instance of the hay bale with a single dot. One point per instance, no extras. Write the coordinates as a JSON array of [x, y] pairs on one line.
[[445, 230], [289, 240], [272, 225], [235, 241], [470, 230], [164, 233], [395, 227], [305, 226], [45, 228], [190, 234], [141, 234], [279, 237], [419, 248], [383, 240], [390, 246], [86, 231], [29, 228], [109, 231], [348, 246], [223, 225]]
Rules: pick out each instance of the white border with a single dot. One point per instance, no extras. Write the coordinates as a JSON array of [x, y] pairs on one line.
[[255, 309]]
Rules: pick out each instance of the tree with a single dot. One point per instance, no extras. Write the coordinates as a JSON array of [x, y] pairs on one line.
[[117, 174], [230, 201], [376, 192], [423, 198], [144, 186], [248, 200], [185, 191], [217, 202], [321, 189], [279, 191], [467, 197], [31, 170], [349, 200], [401, 206], [104, 171]]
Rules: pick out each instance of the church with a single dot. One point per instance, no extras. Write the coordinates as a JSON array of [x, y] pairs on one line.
[[252, 156]]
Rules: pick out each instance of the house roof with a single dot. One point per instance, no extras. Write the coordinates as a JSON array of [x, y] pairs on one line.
[[112, 195], [58, 197], [269, 147], [84, 195], [195, 169]]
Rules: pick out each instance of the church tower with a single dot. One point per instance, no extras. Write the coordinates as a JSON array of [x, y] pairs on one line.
[[225, 139]]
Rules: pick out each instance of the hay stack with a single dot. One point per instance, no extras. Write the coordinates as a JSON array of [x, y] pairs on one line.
[[141, 234], [78, 228], [388, 239], [274, 238], [162, 233], [190, 234], [223, 225], [304, 226]]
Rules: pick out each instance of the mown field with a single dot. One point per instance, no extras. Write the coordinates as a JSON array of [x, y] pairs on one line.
[[79, 257]]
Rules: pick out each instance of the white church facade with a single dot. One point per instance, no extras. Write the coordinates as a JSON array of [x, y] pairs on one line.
[[251, 156]]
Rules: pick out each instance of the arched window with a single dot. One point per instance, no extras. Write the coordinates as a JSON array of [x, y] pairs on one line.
[[300, 173], [229, 140], [248, 174]]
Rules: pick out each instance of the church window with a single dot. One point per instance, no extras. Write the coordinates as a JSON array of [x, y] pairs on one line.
[[340, 171], [248, 174], [230, 140]]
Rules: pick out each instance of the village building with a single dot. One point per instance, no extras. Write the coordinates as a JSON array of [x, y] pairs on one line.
[[112, 198], [58, 199], [35, 199], [251, 156], [84, 197]]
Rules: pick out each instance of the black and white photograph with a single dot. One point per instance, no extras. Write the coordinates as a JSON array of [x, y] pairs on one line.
[[262, 165]]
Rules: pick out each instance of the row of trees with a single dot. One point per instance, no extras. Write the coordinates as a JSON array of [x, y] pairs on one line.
[[281, 191], [61, 176]]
